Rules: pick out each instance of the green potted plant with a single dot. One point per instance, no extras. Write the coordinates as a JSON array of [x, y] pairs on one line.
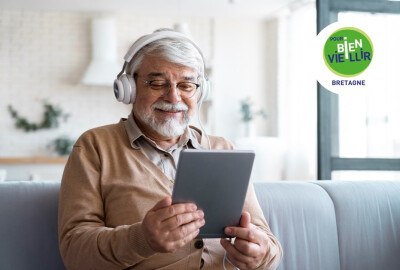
[[62, 145], [249, 114]]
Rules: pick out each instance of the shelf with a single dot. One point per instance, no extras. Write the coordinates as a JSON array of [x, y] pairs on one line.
[[33, 160]]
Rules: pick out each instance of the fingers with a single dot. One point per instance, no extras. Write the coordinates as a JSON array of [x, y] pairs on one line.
[[247, 248], [168, 227], [231, 249], [251, 234], [164, 240], [162, 204], [250, 245], [174, 222], [245, 220], [175, 245], [185, 230], [176, 209], [238, 259]]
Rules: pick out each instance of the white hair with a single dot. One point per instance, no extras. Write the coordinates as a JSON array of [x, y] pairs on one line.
[[176, 50]]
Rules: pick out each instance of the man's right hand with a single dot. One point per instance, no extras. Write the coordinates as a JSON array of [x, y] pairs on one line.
[[168, 227]]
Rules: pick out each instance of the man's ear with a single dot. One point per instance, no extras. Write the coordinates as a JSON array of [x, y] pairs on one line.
[[199, 94]]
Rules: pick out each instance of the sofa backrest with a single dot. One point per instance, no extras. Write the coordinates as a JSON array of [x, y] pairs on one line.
[[321, 225], [302, 217], [368, 223], [28, 225]]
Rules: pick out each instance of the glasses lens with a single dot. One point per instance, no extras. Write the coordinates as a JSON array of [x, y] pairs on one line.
[[162, 87], [187, 89], [158, 87]]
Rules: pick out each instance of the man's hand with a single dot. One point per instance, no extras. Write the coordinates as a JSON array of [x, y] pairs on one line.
[[168, 227], [250, 246]]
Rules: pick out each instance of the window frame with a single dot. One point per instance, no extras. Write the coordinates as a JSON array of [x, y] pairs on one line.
[[328, 102]]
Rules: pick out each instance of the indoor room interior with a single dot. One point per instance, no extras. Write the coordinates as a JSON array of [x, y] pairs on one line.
[[58, 63], [67, 55], [246, 47]]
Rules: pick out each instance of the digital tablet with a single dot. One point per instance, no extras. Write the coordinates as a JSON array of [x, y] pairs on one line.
[[216, 181]]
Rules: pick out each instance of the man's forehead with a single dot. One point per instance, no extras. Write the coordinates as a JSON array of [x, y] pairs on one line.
[[158, 66], [154, 75]]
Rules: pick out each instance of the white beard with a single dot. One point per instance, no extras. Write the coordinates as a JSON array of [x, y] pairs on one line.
[[169, 127]]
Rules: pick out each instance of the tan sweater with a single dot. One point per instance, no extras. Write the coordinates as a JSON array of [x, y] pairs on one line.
[[106, 190]]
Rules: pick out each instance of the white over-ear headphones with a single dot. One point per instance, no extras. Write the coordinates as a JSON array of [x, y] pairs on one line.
[[124, 84]]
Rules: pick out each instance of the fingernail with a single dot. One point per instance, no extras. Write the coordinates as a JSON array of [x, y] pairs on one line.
[[193, 207], [228, 230], [200, 214]]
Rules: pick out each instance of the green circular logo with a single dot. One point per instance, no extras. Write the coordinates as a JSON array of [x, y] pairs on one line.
[[348, 52]]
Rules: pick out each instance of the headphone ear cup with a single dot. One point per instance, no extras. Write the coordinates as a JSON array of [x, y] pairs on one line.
[[133, 88], [205, 90], [118, 90], [127, 89]]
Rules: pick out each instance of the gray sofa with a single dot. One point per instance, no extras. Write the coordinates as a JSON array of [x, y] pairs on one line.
[[321, 225]]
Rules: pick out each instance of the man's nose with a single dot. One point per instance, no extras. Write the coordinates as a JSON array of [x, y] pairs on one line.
[[173, 95]]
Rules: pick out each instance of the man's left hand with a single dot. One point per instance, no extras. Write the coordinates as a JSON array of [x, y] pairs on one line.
[[250, 246]]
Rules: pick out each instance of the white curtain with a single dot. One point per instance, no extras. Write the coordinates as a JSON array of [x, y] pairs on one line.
[[297, 90]]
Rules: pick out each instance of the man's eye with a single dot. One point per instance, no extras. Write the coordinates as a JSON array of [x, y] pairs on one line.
[[186, 86], [158, 83]]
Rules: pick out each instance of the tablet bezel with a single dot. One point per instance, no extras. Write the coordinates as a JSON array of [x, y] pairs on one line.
[[217, 182]]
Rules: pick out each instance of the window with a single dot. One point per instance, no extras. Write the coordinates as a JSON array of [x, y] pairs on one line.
[[361, 131]]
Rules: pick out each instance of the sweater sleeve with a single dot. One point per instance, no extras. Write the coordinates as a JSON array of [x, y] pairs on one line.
[[84, 240], [274, 249]]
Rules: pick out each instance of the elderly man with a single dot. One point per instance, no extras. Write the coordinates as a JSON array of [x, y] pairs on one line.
[[115, 208]]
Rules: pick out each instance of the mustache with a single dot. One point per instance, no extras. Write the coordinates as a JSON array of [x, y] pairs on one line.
[[169, 107]]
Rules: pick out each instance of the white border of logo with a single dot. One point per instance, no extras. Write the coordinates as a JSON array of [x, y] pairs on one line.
[[326, 77]]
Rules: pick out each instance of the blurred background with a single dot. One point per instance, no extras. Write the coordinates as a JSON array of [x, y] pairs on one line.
[[58, 60]]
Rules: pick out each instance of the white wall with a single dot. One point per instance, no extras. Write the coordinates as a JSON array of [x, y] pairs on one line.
[[240, 70]]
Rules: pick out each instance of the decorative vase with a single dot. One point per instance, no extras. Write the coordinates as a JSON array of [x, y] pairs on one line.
[[250, 129]]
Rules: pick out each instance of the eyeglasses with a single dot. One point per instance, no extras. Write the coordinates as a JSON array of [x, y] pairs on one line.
[[160, 88]]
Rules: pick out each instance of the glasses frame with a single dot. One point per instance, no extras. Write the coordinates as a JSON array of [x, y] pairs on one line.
[[149, 82]]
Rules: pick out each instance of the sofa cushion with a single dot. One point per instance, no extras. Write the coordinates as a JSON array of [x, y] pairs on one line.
[[302, 217], [28, 227], [368, 221]]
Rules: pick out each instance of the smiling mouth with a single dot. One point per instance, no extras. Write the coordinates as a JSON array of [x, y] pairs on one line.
[[169, 112]]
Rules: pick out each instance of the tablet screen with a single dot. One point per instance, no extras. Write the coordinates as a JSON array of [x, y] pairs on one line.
[[216, 181]]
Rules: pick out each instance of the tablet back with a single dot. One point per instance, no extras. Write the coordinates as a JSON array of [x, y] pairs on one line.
[[216, 181]]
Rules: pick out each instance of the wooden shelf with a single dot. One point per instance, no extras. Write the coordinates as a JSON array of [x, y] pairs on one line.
[[33, 160]]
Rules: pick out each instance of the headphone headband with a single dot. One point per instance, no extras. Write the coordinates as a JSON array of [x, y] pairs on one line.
[[147, 39], [124, 85]]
